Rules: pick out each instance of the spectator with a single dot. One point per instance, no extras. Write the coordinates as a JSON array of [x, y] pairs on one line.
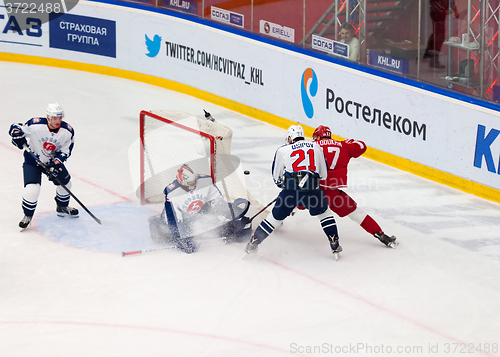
[[439, 11], [347, 34]]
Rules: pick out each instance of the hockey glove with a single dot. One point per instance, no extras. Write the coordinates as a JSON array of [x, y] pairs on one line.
[[247, 222], [56, 168], [18, 138]]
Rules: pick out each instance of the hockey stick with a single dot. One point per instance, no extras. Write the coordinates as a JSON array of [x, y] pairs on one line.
[[49, 172], [148, 250], [168, 247], [262, 210], [227, 195]]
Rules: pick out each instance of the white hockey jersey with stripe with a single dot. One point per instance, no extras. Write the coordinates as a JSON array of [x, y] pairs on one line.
[[299, 156], [186, 204], [47, 144]]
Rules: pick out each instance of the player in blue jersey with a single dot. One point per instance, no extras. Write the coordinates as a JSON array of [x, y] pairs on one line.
[[194, 207], [297, 168], [51, 139]]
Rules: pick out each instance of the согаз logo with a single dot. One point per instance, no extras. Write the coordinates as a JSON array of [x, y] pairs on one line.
[[313, 89], [153, 46]]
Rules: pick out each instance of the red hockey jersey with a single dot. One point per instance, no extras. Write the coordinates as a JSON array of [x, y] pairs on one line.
[[338, 154]]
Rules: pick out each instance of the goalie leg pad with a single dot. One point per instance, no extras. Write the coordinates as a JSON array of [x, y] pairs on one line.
[[158, 228], [187, 245]]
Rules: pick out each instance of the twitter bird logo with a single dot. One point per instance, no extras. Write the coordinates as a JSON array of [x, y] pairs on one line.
[[153, 46]]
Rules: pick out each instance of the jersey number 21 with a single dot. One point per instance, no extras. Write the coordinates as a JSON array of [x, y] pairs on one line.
[[302, 157]]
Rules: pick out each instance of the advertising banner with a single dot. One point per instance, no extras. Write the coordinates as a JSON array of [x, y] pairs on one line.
[[83, 34], [277, 31], [227, 17], [439, 132], [330, 46], [189, 6], [387, 62]]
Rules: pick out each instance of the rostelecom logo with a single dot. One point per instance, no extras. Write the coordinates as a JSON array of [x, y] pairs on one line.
[[308, 75]]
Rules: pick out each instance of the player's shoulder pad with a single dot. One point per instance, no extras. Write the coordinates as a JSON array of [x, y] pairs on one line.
[[36, 121], [203, 181], [171, 187], [68, 127]]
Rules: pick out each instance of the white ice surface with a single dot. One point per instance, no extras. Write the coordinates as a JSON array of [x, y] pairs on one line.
[[63, 294]]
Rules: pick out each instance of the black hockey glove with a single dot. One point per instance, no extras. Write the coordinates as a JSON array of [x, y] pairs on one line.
[[55, 169], [18, 139]]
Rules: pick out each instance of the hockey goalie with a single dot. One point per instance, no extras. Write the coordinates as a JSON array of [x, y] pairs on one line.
[[195, 208]]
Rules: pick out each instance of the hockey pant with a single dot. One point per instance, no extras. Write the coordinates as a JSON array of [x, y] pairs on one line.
[[32, 182], [315, 201], [343, 205]]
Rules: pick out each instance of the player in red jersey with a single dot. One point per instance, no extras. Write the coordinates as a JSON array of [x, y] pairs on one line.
[[338, 154]]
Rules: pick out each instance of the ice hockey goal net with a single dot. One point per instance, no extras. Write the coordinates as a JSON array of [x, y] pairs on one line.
[[171, 138]]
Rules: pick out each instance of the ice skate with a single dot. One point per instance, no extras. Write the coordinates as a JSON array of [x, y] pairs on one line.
[[336, 248], [252, 246], [25, 222], [391, 242], [67, 212]]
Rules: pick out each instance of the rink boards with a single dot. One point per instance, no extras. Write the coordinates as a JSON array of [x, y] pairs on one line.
[[446, 137]]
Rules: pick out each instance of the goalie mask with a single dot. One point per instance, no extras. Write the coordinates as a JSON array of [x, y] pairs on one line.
[[322, 132], [186, 176], [294, 132]]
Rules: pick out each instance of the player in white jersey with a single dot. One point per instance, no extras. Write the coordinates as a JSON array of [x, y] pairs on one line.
[[194, 206], [297, 168], [51, 139]]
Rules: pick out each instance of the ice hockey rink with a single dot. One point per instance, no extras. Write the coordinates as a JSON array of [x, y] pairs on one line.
[[66, 290]]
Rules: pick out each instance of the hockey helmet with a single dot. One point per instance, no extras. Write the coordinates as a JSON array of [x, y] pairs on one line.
[[294, 132], [54, 110], [322, 132], [186, 176]]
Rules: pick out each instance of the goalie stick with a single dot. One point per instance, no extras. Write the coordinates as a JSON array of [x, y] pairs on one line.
[[173, 246], [49, 172]]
